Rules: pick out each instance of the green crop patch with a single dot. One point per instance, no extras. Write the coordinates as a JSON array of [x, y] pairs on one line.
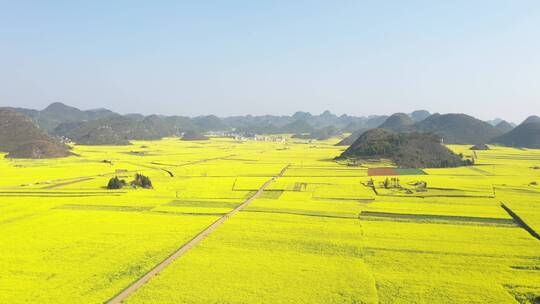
[[57, 195], [430, 218], [410, 171], [395, 171], [316, 213], [202, 204], [524, 293], [300, 186], [271, 194], [180, 213]]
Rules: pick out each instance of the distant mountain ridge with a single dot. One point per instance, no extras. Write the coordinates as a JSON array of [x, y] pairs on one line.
[[452, 128], [504, 126], [116, 130], [458, 128], [21, 138], [419, 115], [531, 119], [525, 135], [57, 113], [102, 126]]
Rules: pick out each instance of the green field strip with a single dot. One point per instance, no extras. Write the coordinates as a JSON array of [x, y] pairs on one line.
[[342, 199], [326, 214], [213, 197], [180, 213], [326, 169], [522, 190], [62, 192], [349, 199], [271, 194], [483, 172], [433, 192], [410, 171], [104, 208], [528, 268], [435, 218], [371, 249], [434, 195], [56, 195], [515, 158], [524, 293], [202, 204]]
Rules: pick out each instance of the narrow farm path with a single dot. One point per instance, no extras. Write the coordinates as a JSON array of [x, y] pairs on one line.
[[149, 167], [195, 162], [205, 160], [187, 246], [169, 172], [83, 179]]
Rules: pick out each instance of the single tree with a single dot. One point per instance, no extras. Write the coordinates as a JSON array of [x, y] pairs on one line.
[[116, 183]]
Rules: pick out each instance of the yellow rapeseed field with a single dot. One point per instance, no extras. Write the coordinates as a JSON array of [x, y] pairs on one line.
[[324, 232]]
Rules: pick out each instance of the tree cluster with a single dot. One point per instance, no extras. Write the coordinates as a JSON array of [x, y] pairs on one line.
[[140, 180]]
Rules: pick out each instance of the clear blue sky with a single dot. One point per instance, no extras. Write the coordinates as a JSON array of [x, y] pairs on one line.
[[273, 57]]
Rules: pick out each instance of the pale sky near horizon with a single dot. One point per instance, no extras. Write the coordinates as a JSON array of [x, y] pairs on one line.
[[273, 57]]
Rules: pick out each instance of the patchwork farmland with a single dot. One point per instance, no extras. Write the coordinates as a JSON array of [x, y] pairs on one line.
[[268, 222]]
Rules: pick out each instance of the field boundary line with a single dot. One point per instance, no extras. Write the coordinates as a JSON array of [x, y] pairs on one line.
[[150, 167], [83, 179], [171, 174], [457, 218], [438, 195], [205, 160], [195, 162], [304, 214], [63, 180], [133, 287], [521, 222]]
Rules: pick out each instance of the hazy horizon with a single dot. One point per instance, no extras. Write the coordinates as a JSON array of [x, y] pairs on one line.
[[261, 114], [240, 57]]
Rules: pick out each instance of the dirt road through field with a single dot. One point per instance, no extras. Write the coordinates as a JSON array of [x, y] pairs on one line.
[[187, 246], [83, 179]]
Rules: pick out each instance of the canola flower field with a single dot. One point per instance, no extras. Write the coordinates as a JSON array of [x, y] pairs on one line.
[[324, 232]]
